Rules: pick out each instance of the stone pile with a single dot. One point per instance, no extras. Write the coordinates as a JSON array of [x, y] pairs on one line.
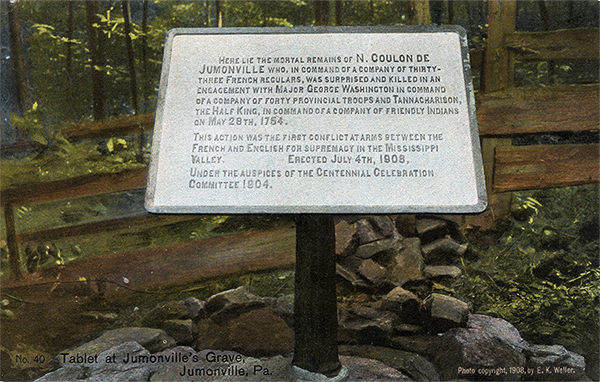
[[400, 259], [397, 322]]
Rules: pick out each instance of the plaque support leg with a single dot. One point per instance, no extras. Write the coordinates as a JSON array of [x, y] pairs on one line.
[[315, 303]]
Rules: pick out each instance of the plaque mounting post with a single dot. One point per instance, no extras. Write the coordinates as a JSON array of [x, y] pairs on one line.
[[315, 303]]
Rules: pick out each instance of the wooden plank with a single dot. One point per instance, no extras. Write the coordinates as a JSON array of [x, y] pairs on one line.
[[86, 185], [143, 220], [164, 266], [88, 130], [14, 258], [110, 127], [16, 148], [539, 109], [545, 166], [564, 44]]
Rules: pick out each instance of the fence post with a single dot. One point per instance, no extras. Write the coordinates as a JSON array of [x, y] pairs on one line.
[[14, 258], [497, 74]]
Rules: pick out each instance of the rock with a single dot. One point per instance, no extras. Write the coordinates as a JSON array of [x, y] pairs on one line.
[[444, 312], [427, 345], [366, 233], [366, 325], [258, 332], [118, 363], [403, 303], [210, 335], [231, 303], [208, 367], [365, 369], [406, 224], [442, 271], [345, 242], [152, 339], [421, 288], [282, 306], [132, 370], [443, 251], [170, 310], [350, 219], [555, 363], [179, 330], [72, 373], [373, 272], [302, 375], [454, 224], [407, 263], [431, 229], [486, 343], [402, 328], [193, 306], [369, 250], [384, 225], [417, 367], [347, 274]]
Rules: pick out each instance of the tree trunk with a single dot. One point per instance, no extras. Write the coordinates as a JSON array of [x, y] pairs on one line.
[[68, 56], [418, 12], [321, 12], [206, 13], [219, 12], [98, 93], [450, 12], [130, 56], [339, 9], [17, 58], [144, 53]]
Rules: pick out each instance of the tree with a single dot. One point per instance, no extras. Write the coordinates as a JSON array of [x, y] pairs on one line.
[[418, 12], [145, 53], [18, 61], [321, 12], [98, 92], [68, 56], [130, 55], [219, 12]]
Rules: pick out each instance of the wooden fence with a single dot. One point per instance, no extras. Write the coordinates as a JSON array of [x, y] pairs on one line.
[[502, 111]]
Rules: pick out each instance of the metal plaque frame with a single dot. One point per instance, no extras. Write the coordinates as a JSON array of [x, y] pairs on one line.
[[454, 186]]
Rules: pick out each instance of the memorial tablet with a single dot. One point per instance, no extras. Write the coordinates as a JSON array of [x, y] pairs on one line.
[[316, 120]]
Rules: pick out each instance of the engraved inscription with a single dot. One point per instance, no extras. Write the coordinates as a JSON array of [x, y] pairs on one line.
[[358, 120]]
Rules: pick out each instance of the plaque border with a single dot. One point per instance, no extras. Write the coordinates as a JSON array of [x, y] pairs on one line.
[[480, 206]]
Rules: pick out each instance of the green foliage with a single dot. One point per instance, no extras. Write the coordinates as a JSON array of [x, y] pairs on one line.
[[79, 159], [542, 273], [374, 12], [542, 73], [31, 123]]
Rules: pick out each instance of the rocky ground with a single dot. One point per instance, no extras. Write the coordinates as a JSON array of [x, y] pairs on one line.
[[397, 321]]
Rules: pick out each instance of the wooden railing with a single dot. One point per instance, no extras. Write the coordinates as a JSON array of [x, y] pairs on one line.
[[502, 111]]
